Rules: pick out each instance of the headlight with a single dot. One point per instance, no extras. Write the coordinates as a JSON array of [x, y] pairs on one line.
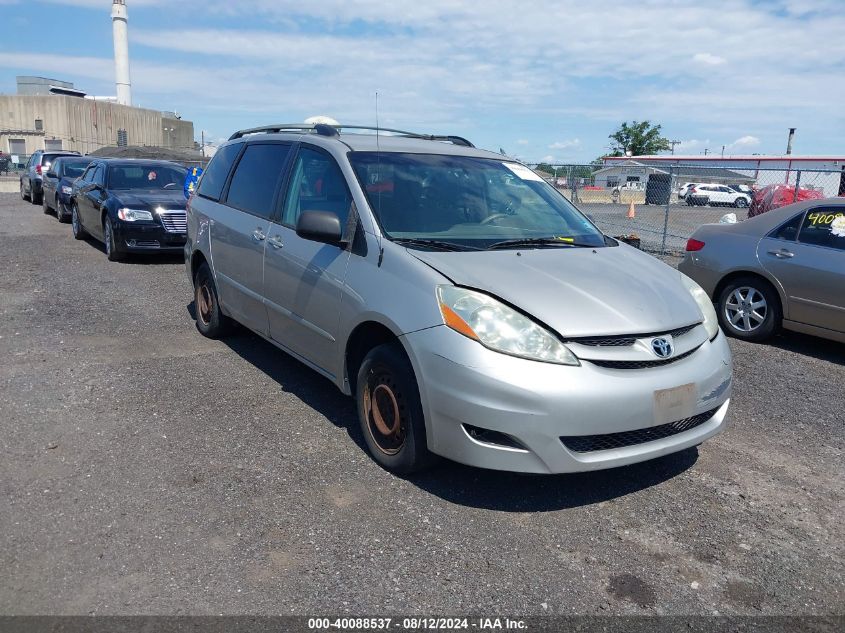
[[67, 190], [711, 321], [502, 329], [133, 215]]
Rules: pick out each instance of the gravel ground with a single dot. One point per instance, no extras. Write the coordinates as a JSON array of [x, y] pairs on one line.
[[147, 470]]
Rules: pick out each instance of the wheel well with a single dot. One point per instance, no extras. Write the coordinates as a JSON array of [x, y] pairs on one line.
[[197, 260], [364, 337], [740, 273]]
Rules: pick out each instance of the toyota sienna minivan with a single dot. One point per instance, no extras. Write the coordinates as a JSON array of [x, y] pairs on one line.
[[469, 308]]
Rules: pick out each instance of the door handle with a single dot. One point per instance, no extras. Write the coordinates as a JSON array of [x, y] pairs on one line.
[[275, 242], [258, 235], [782, 253]]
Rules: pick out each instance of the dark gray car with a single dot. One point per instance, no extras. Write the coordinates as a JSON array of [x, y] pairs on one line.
[[32, 176], [785, 268]]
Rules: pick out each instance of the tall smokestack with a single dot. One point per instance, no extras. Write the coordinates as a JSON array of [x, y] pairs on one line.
[[121, 51], [789, 142]]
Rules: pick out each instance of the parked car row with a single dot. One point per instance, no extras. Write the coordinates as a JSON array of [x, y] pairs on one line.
[[131, 205]]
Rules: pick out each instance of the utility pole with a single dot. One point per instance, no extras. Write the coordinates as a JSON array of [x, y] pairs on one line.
[[673, 143], [202, 146], [723, 151], [706, 149]]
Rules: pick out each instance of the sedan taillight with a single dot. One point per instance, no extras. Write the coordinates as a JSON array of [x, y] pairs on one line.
[[38, 169], [694, 245]]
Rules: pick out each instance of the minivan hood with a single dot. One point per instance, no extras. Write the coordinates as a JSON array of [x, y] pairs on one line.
[[577, 291], [149, 200]]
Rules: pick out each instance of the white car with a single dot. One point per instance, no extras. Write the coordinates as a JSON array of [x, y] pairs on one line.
[[713, 195]]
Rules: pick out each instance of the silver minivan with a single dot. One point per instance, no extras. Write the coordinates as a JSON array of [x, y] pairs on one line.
[[471, 310]]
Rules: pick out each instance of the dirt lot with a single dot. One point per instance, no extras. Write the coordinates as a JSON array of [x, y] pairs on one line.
[[147, 470]]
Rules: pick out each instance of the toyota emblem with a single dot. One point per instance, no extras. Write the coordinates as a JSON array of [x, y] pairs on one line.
[[661, 347]]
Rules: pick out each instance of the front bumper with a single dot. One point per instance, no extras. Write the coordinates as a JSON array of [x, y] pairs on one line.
[[462, 383], [147, 237]]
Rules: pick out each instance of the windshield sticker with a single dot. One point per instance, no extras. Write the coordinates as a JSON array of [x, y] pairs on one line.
[[522, 171], [837, 226], [823, 218]]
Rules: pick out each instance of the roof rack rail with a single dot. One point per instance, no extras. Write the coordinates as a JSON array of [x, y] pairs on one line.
[[334, 130]]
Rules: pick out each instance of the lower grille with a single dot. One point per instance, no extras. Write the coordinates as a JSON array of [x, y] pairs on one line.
[[590, 443], [637, 364], [174, 221]]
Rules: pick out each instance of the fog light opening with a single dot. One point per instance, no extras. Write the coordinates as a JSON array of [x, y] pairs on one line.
[[494, 438]]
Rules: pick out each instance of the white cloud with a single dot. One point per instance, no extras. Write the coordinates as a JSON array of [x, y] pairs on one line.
[[745, 141], [569, 144], [522, 141], [708, 60]]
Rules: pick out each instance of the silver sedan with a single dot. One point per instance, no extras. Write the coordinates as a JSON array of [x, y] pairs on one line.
[[785, 268]]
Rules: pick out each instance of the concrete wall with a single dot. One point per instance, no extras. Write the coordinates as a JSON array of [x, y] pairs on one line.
[[85, 125]]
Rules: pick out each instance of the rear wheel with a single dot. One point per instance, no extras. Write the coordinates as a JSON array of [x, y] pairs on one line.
[[749, 309], [76, 223], [211, 321], [741, 203], [390, 411]]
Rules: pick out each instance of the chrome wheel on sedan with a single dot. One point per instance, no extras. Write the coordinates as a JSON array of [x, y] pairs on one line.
[[746, 309], [749, 308]]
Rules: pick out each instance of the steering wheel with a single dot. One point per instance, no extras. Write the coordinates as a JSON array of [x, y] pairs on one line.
[[491, 218]]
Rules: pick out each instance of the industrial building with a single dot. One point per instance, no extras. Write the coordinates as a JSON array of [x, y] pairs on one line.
[[52, 114], [824, 173]]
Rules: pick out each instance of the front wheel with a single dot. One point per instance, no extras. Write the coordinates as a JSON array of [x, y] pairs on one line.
[[61, 216], [79, 232], [45, 206], [749, 309], [211, 321], [113, 253], [23, 192], [390, 411]]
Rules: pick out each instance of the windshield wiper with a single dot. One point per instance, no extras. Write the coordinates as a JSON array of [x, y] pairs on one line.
[[443, 246], [538, 241]]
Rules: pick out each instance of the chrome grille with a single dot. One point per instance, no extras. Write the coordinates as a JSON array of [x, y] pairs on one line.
[[174, 221], [626, 340], [638, 364], [589, 443]]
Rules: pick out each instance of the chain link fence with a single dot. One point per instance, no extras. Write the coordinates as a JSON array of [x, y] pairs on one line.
[[659, 207]]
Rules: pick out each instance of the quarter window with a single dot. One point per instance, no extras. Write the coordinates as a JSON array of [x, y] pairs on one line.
[[316, 184], [214, 177], [789, 230], [824, 226], [256, 177]]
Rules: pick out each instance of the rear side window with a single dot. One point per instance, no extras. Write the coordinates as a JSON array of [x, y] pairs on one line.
[[824, 226], [789, 230], [214, 177], [256, 178]]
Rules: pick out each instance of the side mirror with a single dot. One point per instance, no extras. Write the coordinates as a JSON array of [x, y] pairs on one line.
[[319, 226]]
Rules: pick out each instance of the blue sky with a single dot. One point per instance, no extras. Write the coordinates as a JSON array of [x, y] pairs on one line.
[[543, 80]]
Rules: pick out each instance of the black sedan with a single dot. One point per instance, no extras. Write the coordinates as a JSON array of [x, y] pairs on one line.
[[132, 206], [57, 184]]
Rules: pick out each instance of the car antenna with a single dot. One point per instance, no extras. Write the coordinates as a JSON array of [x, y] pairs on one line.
[[378, 189]]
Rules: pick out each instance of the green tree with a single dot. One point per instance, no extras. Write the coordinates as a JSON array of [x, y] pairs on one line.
[[638, 138]]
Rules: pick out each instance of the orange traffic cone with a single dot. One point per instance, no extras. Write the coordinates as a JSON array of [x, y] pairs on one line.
[[632, 211]]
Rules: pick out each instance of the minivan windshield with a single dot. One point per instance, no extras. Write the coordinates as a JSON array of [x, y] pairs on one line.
[[468, 202]]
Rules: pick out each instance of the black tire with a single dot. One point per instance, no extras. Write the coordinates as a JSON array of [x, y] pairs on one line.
[[24, 195], [35, 198], [740, 203], [79, 231], [737, 316], [113, 252], [386, 381], [44, 206], [61, 216], [211, 321]]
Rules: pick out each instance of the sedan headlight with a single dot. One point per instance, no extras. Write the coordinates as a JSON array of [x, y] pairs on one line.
[[711, 321], [133, 215], [499, 327], [67, 190]]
